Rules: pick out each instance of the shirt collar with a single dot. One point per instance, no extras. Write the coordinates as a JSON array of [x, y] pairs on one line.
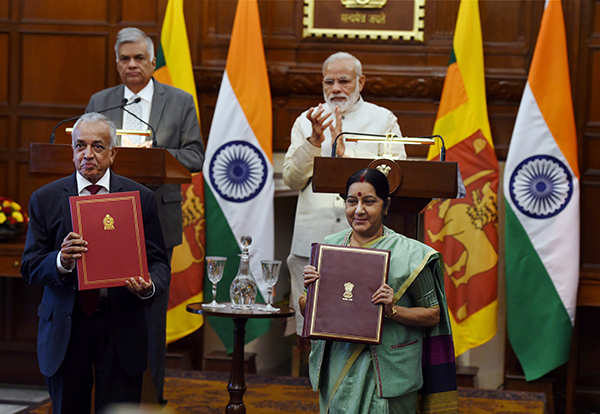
[[83, 182], [146, 93]]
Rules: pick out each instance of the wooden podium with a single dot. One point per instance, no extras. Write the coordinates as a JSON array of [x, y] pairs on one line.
[[420, 182], [145, 165]]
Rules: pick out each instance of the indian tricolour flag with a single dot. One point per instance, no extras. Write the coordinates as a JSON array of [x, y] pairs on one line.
[[238, 168], [541, 190], [174, 67]]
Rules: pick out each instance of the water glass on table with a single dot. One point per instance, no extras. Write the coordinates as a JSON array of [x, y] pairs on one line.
[[215, 266], [270, 271]]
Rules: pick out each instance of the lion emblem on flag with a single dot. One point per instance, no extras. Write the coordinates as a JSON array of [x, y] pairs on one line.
[[465, 231]]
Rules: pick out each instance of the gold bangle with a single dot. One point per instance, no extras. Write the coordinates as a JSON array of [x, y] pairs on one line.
[[393, 313]]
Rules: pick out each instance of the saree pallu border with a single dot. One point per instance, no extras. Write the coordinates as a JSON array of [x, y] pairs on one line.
[[438, 394]]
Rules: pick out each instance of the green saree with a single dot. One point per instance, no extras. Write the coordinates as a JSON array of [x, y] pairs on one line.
[[356, 378]]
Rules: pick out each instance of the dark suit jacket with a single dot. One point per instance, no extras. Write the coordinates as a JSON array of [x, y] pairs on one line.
[[173, 116], [50, 222]]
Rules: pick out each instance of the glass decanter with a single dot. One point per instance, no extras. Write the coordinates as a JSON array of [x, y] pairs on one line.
[[243, 287]]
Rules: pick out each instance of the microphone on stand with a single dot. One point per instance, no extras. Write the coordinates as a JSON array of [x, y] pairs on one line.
[[383, 138], [136, 100], [120, 105]]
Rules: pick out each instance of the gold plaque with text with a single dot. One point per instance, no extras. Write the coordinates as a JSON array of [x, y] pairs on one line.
[[365, 19]]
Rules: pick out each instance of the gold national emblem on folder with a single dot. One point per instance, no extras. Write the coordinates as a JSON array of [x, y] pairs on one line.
[[348, 286], [109, 222]]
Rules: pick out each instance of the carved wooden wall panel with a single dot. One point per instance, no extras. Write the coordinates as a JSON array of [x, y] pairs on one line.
[[440, 19], [587, 105], [4, 153], [4, 132], [589, 232], [140, 13], [590, 153], [281, 21], [4, 69], [42, 11], [220, 16], [4, 9], [4, 171], [62, 69]]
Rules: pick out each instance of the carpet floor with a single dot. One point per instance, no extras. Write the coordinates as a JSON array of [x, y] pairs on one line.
[[206, 393]]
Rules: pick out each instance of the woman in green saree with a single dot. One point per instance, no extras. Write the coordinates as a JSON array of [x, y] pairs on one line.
[[357, 378]]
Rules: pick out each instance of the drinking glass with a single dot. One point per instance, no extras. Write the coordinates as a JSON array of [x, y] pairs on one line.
[[270, 270], [215, 265]]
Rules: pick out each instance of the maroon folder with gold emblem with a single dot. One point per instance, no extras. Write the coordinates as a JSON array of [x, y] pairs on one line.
[[338, 304], [113, 226]]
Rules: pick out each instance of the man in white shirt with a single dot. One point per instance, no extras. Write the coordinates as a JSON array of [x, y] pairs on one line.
[[319, 214], [172, 114]]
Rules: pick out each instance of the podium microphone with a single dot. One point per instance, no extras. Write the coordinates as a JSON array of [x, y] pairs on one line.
[[425, 139], [72, 118], [136, 100]]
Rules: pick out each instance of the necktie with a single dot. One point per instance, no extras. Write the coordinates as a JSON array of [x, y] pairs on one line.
[[93, 188], [88, 299]]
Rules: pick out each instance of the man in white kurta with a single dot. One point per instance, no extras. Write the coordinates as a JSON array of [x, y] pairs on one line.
[[320, 214]]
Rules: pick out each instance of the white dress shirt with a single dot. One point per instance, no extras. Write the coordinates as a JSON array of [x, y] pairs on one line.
[[141, 109]]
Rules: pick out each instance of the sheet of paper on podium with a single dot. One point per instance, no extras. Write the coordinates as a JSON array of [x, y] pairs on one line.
[[338, 305], [113, 226]]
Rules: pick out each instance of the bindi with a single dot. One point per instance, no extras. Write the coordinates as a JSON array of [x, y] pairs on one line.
[[359, 194]]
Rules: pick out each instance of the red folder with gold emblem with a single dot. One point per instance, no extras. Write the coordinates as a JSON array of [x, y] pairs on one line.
[[113, 226], [338, 304]]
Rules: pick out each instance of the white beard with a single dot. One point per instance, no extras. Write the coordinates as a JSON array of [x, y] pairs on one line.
[[347, 103]]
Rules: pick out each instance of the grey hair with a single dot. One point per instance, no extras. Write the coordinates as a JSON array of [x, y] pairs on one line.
[[95, 117], [131, 35], [343, 56]]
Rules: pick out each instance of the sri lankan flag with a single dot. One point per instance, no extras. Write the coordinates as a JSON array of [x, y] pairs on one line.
[[465, 230], [174, 67]]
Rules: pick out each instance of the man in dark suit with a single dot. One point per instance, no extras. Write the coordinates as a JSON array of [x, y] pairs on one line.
[[172, 113], [96, 337]]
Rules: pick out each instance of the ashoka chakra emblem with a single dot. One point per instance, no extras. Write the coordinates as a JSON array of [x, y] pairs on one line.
[[238, 171], [541, 186]]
